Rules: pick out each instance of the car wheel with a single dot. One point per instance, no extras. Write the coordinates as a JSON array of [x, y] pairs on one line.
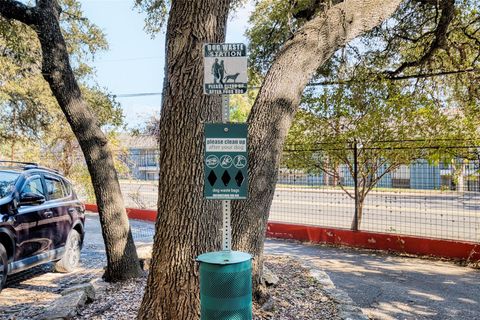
[[71, 258], [3, 266]]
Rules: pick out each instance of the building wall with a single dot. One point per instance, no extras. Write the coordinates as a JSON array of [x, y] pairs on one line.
[[143, 163], [424, 176]]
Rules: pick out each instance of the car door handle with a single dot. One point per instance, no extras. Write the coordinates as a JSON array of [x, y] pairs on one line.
[[48, 214]]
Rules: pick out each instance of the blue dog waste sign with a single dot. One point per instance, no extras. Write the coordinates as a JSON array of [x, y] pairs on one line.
[[226, 161]]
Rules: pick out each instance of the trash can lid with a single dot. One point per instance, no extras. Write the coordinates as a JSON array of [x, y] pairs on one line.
[[224, 257]]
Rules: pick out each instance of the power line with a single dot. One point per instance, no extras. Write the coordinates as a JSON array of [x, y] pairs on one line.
[[141, 94], [327, 83], [130, 59]]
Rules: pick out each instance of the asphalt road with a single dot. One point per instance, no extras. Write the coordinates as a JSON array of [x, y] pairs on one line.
[[384, 286], [427, 213], [390, 287]]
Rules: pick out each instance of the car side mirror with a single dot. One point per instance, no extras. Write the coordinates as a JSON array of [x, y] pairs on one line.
[[30, 198]]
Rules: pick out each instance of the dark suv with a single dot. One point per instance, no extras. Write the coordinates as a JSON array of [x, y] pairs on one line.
[[41, 219]]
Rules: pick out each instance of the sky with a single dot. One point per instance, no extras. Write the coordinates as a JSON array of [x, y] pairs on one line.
[[134, 62]]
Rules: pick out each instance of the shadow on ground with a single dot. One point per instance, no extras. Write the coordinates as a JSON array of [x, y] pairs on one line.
[[394, 287]]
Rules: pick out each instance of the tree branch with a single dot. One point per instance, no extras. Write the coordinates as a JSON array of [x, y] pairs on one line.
[[397, 78], [439, 40], [336, 176], [391, 168], [10, 9]]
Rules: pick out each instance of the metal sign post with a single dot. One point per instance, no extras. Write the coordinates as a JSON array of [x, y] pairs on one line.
[[226, 207]]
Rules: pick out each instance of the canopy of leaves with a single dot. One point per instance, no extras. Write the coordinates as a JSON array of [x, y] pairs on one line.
[[377, 115], [414, 77], [421, 34], [32, 126], [28, 108]]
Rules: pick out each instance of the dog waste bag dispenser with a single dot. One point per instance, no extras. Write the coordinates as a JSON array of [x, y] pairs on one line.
[[225, 276], [226, 285]]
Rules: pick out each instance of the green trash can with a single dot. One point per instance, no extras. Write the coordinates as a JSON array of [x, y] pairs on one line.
[[225, 285]]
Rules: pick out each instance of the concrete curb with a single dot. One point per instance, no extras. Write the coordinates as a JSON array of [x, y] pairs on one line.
[[347, 309]]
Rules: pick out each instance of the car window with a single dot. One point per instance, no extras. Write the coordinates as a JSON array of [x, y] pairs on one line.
[[7, 181], [68, 188], [54, 188], [34, 185]]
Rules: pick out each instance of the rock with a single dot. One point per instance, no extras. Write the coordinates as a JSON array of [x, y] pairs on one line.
[[86, 287], [66, 307], [145, 263], [144, 253], [269, 277], [353, 316], [268, 306], [98, 284]]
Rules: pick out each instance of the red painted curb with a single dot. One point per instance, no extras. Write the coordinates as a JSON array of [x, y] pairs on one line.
[[449, 249], [139, 214], [379, 241]]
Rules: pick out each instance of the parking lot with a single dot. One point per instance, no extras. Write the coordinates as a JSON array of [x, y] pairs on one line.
[[29, 292]]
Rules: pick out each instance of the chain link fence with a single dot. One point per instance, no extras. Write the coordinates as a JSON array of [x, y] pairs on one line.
[[388, 187]]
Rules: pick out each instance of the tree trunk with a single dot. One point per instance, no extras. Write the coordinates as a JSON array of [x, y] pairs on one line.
[[277, 103], [336, 176], [119, 246], [187, 225], [356, 223]]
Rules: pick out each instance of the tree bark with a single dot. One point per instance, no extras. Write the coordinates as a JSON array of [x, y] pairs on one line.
[[119, 246], [277, 102], [355, 226], [187, 225]]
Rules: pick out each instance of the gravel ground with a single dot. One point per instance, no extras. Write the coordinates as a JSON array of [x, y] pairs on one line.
[[296, 296], [116, 301], [29, 292]]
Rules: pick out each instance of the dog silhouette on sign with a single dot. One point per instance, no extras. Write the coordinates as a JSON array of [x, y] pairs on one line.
[[232, 77]]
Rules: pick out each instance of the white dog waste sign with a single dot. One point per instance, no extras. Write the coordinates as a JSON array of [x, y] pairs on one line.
[[225, 68]]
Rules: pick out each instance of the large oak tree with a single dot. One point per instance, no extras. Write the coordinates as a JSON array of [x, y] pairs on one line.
[[44, 19], [188, 225]]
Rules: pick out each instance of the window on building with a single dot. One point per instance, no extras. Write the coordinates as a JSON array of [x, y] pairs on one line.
[[151, 158]]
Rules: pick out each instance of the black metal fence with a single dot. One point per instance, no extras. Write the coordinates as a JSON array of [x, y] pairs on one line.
[[398, 188]]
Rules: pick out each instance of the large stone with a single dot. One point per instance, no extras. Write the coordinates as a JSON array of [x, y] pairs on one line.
[[144, 253], [66, 307], [86, 287], [269, 277], [269, 305], [99, 284]]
